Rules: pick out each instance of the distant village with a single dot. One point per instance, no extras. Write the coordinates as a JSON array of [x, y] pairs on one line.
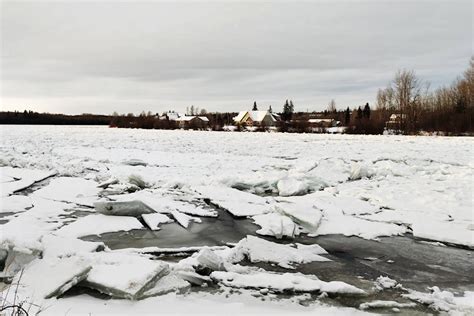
[[331, 120]]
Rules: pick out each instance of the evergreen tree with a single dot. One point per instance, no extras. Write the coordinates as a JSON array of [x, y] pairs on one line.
[[254, 106], [366, 111], [288, 109], [347, 117], [359, 113]]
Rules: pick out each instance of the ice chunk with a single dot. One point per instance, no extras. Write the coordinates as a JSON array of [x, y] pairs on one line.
[[58, 246], [208, 259], [292, 186], [165, 204], [302, 213], [20, 178], [183, 219], [16, 260], [166, 284], [15, 203], [385, 283], [107, 183], [286, 282], [275, 224], [129, 208], [98, 224], [194, 278], [385, 304], [124, 275], [69, 189], [359, 171], [26, 229], [154, 220], [444, 301], [134, 162], [50, 277], [451, 232], [260, 250], [238, 203]]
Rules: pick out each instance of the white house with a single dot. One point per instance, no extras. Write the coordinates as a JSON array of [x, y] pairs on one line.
[[256, 118]]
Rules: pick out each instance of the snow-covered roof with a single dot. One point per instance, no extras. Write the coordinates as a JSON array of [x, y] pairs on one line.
[[397, 116], [187, 118], [174, 116], [256, 116], [320, 120], [240, 116]]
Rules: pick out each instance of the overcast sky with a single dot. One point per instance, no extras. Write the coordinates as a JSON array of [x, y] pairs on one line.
[[100, 57]]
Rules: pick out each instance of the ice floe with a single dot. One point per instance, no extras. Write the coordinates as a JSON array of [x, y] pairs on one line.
[[286, 282], [260, 250], [97, 224]]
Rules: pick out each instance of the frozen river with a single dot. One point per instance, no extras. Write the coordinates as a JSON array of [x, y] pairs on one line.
[[333, 223]]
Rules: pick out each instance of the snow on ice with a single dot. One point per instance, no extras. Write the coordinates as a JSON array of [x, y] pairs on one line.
[[289, 185]]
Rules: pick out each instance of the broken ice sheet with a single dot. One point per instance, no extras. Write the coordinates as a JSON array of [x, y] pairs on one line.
[[98, 224], [286, 282], [59, 246], [15, 203], [238, 203], [154, 220], [183, 219], [275, 224], [50, 277], [124, 275], [260, 250], [69, 189], [16, 179], [171, 282], [162, 203]]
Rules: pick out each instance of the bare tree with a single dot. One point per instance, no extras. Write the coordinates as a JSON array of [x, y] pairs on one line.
[[332, 106], [408, 90]]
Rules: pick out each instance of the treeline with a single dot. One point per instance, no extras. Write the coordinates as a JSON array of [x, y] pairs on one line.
[[149, 120], [30, 117], [449, 110]]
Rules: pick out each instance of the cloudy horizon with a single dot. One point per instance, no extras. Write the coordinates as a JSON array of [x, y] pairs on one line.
[[101, 57]]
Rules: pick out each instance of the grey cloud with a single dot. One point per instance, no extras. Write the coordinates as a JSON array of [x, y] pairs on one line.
[[125, 56]]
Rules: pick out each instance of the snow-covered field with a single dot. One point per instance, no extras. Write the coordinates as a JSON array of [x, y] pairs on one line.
[[60, 185]]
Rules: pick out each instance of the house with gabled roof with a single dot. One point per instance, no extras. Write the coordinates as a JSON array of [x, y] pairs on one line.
[[256, 118]]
